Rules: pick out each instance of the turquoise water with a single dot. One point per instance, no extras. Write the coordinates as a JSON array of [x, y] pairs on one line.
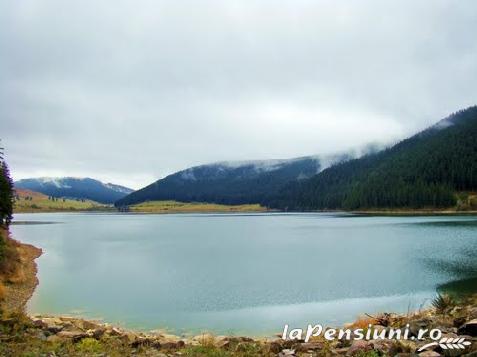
[[242, 273]]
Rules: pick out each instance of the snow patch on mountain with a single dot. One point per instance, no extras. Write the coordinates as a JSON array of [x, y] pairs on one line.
[[118, 188], [188, 175], [56, 181]]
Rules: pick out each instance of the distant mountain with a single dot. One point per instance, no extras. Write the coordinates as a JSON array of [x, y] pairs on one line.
[[70, 187], [426, 170], [234, 182]]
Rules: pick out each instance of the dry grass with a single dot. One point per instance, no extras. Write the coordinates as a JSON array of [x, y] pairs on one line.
[[363, 322], [192, 207], [10, 260], [30, 201], [10, 263], [2, 291], [17, 272]]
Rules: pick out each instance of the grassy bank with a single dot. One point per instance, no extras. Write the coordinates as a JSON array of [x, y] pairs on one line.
[[192, 207], [17, 272], [27, 201], [414, 212], [466, 204]]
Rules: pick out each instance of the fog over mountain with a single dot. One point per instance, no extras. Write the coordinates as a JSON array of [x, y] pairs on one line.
[[233, 182], [130, 92]]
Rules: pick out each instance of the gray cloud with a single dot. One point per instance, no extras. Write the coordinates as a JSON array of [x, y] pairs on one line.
[[131, 91]]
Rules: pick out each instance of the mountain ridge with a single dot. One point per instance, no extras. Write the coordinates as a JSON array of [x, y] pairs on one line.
[[232, 182], [75, 187]]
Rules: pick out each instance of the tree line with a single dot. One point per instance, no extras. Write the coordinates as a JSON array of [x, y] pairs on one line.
[[6, 192]]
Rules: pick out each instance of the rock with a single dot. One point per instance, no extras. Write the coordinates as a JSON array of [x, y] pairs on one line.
[[287, 344], [449, 335], [469, 328], [459, 321], [96, 333], [359, 346], [170, 345], [38, 323], [340, 351], [388, 347], [73, 335], [309, 346], [114, 331], [68, 326], [203, 339], [52, 325], [54, 328], [146, 341], [287, 353], [429, 354], [415, 326], [275, 346], [223, 343], [86, 325]]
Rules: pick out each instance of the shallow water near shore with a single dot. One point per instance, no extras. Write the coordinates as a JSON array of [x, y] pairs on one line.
[[243, 273]]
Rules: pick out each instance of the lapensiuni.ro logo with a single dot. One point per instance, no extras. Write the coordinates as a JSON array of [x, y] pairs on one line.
[[370, 333]]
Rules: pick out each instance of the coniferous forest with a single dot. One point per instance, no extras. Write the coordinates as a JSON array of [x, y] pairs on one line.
[[425, 170]]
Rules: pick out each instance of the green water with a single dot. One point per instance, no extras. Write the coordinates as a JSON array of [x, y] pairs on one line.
[[243, 273]]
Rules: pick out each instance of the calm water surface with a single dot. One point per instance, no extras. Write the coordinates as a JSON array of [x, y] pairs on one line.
[[242, 274]]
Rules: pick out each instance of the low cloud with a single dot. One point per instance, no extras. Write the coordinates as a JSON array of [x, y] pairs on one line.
[[131, 91]]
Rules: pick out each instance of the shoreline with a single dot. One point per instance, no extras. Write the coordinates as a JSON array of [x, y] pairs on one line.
[[239, 209], [19, 290]]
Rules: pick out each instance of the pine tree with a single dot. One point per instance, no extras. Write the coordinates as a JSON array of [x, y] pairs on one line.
[[6, 192]]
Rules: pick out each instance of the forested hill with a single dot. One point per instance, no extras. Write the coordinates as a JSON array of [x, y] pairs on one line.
[[425, 170], [77, 188], [232, 182]]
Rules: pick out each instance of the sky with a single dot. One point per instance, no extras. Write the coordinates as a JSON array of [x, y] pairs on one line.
[[130, 91]]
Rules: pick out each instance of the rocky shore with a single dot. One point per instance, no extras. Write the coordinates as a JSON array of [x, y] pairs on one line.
[[22, 335], [69, 336]]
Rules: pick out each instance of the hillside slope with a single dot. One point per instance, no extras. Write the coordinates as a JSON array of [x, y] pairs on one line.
[[231, 182], [75, 188], [31, 201], [425, 170]]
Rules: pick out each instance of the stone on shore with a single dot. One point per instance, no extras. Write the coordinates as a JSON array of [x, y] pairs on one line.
[[469, 328]]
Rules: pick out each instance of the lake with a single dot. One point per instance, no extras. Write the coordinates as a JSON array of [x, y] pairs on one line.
[[242, 273]]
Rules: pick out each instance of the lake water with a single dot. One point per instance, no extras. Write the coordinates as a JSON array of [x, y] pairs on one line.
[[242, 273]]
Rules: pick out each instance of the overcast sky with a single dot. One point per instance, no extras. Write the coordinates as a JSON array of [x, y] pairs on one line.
[[130, 91]]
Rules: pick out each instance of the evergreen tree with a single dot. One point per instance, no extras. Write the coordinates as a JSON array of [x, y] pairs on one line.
[[6, 192]]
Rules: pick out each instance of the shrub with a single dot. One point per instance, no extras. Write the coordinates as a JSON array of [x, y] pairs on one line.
[[89, 345], [442, 303]]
